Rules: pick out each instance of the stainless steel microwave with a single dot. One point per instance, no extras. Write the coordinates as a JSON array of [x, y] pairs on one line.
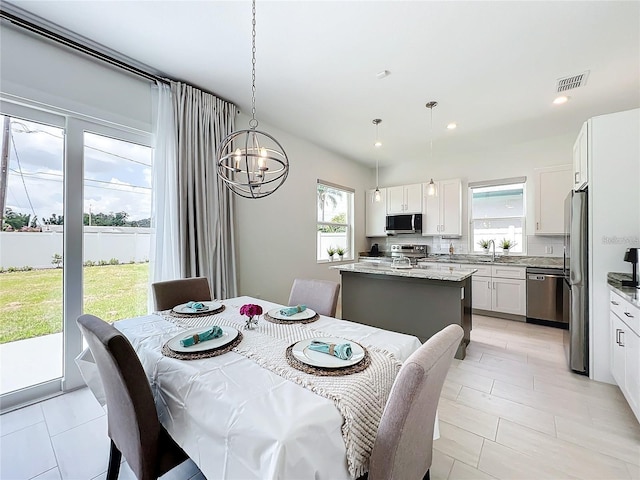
[[404, 224]]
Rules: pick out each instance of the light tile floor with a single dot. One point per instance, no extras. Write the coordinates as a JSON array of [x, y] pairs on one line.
[[511, 410]]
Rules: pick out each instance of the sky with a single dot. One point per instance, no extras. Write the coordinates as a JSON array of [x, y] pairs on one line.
[[117, 174]]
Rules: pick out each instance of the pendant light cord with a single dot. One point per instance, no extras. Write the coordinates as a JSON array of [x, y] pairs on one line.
[[253, 123]]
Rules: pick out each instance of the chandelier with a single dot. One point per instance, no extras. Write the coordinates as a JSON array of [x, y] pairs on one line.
[[252, 163]]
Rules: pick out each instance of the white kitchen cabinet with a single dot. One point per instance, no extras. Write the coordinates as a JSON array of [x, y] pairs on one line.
[[625, 349], [404, 199], [442, 213], [501, 289], [509, 296], [481, 293], [581, 157], [553, 184], [375, 214]]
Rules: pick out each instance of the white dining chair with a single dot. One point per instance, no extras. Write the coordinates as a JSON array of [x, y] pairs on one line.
[[319, 295]]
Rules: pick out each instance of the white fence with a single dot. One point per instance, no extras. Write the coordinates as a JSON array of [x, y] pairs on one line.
[[36, 249]]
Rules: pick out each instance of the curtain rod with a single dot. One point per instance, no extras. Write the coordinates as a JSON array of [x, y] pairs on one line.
[[78, 46]]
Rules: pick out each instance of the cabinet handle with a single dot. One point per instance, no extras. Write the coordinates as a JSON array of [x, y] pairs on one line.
[[614, 302], [494, 285], [628, 314], [621, 342], [618, 336], [537, 225], [489, 285]]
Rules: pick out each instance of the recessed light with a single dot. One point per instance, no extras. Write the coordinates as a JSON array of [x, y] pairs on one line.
[[452, 125], [560, 100]]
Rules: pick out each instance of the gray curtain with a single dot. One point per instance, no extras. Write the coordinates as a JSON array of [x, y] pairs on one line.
[[205, 206]]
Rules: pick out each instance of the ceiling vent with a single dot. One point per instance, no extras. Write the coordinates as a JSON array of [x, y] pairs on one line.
[[574, 81]]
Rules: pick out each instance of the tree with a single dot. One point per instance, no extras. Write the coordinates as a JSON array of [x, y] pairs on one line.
[[327, 195], [17, 220], [55, 220]]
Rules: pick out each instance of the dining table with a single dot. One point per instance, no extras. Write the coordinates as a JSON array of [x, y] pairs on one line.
[[255, 411]]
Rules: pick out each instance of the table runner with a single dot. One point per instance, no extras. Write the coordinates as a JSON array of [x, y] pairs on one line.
[[360, 398]]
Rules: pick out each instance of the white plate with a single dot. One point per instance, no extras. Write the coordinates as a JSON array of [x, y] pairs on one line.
[[229, 335], [303, 353], [304, 315], [182, 308]]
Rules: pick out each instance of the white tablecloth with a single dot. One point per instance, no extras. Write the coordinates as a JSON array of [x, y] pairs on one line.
[[237, 420]]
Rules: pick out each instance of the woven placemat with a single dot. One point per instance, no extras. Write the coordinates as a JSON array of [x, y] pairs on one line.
[[192, 315], [327, 372], [167, 352], [271, 319]]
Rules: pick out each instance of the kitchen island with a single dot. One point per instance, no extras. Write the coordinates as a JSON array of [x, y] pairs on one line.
[[415, 301]]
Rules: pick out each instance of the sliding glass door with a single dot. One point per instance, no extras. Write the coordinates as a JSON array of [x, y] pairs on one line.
[[76, 202], [31, 245]]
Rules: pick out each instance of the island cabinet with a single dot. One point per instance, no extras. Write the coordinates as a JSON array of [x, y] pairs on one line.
[[404, 199], [442, 212], [375, 214], [553, 184], [417, 302], [625, 349]]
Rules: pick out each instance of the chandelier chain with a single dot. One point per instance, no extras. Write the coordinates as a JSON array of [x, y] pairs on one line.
[[253, 123]]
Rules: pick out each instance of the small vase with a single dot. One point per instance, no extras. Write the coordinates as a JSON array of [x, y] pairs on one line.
[[251, 323], [486, 250], [331, 258], [341, 257], [505, 251]]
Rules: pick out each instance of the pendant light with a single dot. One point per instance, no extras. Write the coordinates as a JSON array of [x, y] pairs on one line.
[[376, 195], [252, 163], [431, 187]]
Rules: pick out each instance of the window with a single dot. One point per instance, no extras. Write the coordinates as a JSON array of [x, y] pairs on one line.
[[498, 213], [335, 222]]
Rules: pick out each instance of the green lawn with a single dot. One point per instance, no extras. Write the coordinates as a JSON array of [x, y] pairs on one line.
[[31, 302]]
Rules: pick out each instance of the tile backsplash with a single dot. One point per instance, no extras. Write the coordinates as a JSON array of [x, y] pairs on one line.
[[537, 245]]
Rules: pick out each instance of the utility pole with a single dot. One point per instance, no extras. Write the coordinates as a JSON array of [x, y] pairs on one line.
[[4, 167]]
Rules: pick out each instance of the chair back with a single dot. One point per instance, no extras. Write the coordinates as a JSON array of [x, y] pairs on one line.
[[404, 442], [170, 293], [132, 416], [318, 295]]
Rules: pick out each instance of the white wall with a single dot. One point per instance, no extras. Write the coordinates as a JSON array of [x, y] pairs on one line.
[[614, 199], [36, 249], [45, 73], [276, 235]]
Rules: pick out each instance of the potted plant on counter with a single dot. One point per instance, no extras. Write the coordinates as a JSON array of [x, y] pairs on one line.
[[331, 252], [341, 251], [484, 244], [507, 245]]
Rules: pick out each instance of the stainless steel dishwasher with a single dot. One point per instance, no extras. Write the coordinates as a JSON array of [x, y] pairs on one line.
[[545, 302]]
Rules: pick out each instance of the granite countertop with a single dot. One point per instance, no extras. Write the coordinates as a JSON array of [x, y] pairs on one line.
[[515, 260], [631, 294], [381, 269]]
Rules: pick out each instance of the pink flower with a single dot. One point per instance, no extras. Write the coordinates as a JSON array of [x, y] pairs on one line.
[[250, 310]]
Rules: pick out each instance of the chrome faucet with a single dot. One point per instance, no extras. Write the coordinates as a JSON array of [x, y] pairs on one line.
[[493, 254]]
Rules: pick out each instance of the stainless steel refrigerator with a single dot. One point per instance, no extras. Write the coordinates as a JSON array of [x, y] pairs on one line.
[[576, 281]]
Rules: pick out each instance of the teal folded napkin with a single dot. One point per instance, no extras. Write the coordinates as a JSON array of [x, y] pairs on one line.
[[288, 311], [340, 350], [209, 334], [197, 306]]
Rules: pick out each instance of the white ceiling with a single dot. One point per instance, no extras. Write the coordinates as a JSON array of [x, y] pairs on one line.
[[491, 65]]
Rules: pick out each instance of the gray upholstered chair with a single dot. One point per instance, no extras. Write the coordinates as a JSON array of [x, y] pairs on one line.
[[134, 428], [318, 295], [168, 294], [404, 442]]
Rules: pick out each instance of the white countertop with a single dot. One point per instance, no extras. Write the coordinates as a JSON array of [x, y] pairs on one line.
[[454, 275]]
